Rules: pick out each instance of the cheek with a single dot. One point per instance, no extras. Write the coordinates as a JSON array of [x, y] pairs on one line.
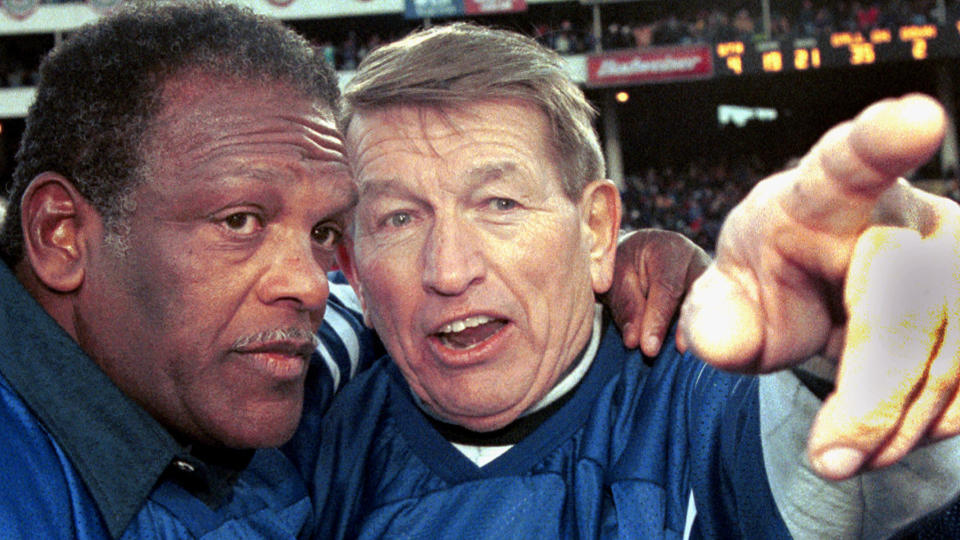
[[388, 277], [551, 256], [178, 295], [392, 298], [387, 300], [552, 278], [161, 293]]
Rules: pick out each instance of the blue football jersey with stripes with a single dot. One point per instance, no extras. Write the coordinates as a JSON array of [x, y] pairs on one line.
[[346, 348], [620, 458]]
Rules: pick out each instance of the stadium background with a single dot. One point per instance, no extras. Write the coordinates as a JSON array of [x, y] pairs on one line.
[[698, 99]]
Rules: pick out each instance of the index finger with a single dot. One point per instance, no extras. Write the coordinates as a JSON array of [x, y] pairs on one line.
[[849, 180], [848, 170]]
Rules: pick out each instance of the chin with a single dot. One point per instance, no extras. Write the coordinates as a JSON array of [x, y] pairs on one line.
[[482, 424], [268, 436], [263, 431]]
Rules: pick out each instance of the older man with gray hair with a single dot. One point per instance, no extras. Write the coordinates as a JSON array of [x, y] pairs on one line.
[[509, 406]]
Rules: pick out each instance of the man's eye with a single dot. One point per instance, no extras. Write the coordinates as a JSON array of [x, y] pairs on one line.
[[327, 236], [501, 204], [242, 222], [399, 219]]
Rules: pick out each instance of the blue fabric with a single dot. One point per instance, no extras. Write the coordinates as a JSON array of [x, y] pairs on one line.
[[619, 459], [321, 387], [269, 501], [117, 448], [53, 397], [43, 495]]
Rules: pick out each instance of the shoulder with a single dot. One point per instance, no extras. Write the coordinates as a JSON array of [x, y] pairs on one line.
[[670, 371], [30, 453], [334, 419], [673, 383], [42, 495], [364, 396], [362, 416], [347, 346], [697, 379], [268, 500]]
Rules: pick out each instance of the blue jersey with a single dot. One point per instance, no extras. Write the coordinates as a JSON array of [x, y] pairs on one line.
[[620, 458]]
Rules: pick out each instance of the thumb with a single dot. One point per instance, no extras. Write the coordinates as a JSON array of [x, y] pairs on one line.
[[721, 321]]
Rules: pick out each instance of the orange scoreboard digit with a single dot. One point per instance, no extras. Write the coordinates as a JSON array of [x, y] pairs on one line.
[[909, 43]]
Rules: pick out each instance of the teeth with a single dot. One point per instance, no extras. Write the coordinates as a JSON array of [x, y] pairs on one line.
[[463, 324]]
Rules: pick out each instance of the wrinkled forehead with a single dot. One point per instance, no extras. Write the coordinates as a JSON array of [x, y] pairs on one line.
[[447, 131], [407, 123], [198, 110]]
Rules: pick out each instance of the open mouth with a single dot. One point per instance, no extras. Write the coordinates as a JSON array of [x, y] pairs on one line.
[[468, 333]]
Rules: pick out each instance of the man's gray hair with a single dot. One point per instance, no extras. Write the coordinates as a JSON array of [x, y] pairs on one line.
[[460, 63]]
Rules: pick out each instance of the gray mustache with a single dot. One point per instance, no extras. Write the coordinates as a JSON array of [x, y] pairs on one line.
[[278, 334]]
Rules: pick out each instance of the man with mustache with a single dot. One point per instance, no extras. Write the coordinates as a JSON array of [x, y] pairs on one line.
[[178, 197], [509, 406]]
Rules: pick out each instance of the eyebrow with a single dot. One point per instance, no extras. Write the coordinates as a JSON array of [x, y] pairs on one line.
[[266, 176], [268, 173], [474, 177], [491, 171], [377, 187]]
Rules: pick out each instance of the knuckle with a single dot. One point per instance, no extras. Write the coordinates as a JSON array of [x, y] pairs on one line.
[[671, 288], [948, 425], [875, 424]]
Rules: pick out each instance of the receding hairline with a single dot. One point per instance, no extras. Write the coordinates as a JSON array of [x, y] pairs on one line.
[[445, 113], [456, 64]]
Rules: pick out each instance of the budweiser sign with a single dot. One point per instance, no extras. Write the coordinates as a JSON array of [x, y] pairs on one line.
[[660, 64], [479, 7]]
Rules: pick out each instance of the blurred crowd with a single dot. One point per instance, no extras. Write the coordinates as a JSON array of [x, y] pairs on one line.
[[346, 54], [803, 19], [692, 199], [695, 198], [567, 28], [568, 31]]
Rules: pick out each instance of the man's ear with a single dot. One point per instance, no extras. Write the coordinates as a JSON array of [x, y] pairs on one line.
[[600, 206], [349, 268], [55, 220]]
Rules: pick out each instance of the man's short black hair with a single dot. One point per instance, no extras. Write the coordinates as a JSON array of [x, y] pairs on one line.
[[100, 89]]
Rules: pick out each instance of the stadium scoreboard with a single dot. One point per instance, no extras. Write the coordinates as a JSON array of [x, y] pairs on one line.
[[838, 49]]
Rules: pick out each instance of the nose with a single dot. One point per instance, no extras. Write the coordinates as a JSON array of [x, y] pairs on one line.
[[295, 277], [452, 258]]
